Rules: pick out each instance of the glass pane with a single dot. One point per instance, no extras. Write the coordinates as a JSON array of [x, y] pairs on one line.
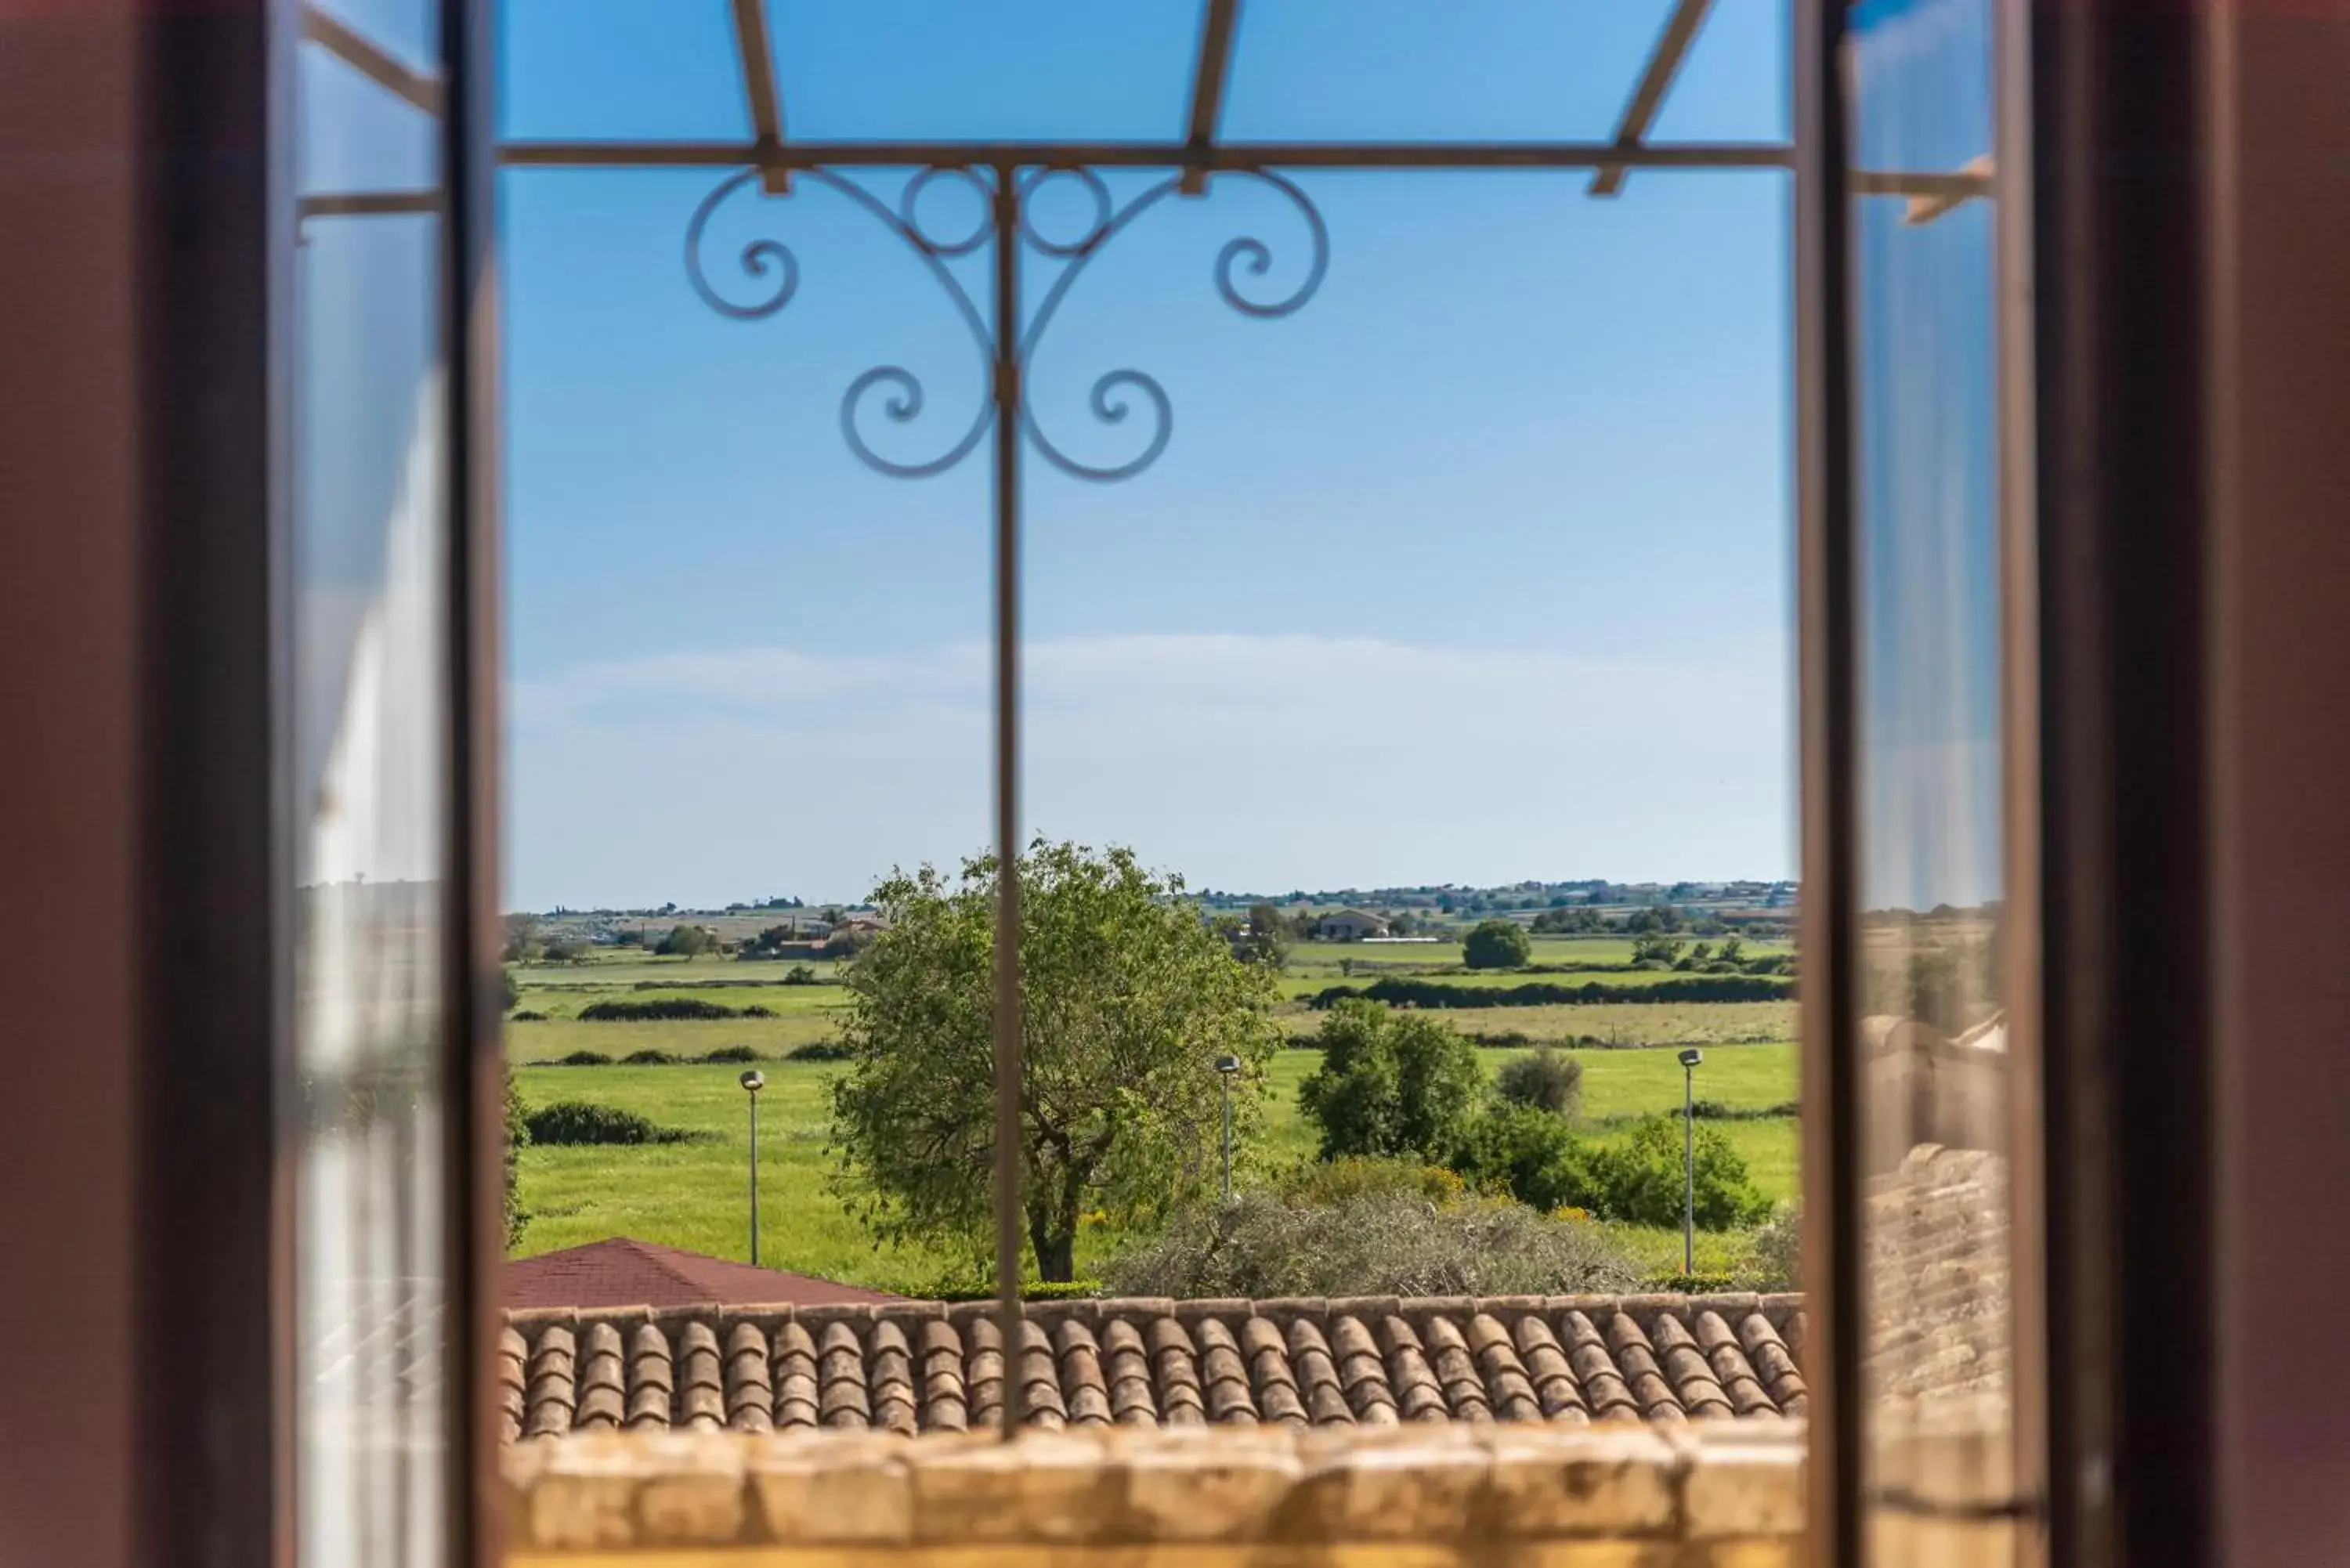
[[622, 70], [1002, 69], [749, 679], [369, 760], [1470, 71], [1452, 613], [1937, 1335]]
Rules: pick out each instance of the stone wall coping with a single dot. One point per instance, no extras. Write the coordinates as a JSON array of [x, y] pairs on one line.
[[1439, 1483]]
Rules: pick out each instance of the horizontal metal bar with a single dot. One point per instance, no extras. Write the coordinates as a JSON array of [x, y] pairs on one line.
[[1649, 96], [1936, 191], [1224, 155], [371, 59], [366, 203], [1971, 179]]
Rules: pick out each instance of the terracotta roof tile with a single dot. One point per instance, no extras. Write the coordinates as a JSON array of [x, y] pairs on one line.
[[908, 1367]]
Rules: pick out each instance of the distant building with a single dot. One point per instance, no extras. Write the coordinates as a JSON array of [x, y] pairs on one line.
[[1349, 926]]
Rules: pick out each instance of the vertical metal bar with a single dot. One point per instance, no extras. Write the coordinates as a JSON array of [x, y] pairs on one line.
[[1007, 392], [1826, 605], [473, 1062], [755, 1180], [1225, 1081], [1216, 26], [1649, 93], [759, 94], [1688, 1170]]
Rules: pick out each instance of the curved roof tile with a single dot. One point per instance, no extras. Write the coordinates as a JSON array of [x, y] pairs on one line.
[[921, 1366]]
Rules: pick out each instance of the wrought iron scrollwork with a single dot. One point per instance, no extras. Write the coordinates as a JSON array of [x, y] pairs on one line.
[[1115, 395]]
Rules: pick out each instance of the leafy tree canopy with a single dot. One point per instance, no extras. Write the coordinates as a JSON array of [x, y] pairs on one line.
[[1496, 944], [1127, 1001], [689, 942], [1390, 1082]]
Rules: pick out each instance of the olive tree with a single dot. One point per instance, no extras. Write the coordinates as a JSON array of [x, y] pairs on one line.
[[1128, 999]]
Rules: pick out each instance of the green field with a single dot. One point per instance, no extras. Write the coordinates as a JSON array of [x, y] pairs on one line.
[[804, 1012], [695, 1194]]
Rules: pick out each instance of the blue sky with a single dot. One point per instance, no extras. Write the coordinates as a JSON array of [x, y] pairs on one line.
[[1476, 569]]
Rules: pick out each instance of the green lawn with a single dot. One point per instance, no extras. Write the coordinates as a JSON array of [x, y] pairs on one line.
[[695, 1194]]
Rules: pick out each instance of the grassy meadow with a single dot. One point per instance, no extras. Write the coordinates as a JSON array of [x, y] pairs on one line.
[[695, 1194]]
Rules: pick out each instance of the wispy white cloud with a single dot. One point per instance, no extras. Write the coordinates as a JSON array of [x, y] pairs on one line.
[[1261, 761]]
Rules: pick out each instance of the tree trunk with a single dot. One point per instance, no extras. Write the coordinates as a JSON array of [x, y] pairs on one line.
[[1053, 1232]]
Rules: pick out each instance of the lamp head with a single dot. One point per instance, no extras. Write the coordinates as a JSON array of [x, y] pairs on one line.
[[1692, 1057], [1228, 1066], [752, 1080]]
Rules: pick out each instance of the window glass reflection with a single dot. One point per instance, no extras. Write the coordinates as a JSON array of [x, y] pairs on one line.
[[369, 775], [1933, 1075]]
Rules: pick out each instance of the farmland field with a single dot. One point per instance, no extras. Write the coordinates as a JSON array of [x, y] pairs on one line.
[[695, 1194], [558, 992]]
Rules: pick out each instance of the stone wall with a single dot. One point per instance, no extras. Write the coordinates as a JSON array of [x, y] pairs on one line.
[[1726, 1494]]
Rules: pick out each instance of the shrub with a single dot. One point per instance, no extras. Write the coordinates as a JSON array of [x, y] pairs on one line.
[[1375, 1243], [651, 1059], [1527, 1153], [517, 1131], [1330, 1182], [663, 1009], [1777, 1263], [1547, 1080], [510, 995], [1496, 944], [820, 1051], [1390, 1084], [1698, 1284], [754, 1010], [732, 1054], [966, 1290], [584, 1059], [574, 1122], [1640, 1179], [1433, 993], [527, 1017], [799, 974]]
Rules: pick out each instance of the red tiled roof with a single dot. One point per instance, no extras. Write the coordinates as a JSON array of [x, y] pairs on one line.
[[917, 1366], [624, 1273]]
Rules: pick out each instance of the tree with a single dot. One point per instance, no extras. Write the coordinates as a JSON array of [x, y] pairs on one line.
[[1267, 942], [1390, 1082], [521, 936], [1127, 1001], [1496, 944], [1656, 949], [1546, 1079], [685, 942]]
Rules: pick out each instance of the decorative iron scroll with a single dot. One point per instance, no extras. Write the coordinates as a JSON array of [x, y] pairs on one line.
[[1116, 394]]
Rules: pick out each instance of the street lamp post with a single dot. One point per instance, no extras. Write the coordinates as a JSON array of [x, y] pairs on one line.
[[1689, 1060], [752, 1081], [1226, 1067]]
